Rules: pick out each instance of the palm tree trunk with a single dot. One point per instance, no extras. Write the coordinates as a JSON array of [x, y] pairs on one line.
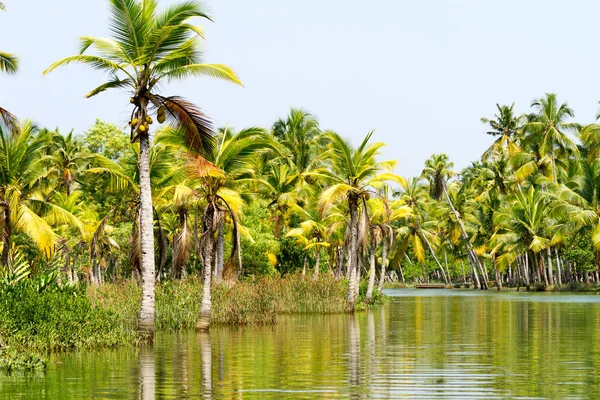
[[220, 253], [304, 266], [434, 256], [372, 270], [446, 262], [383, 263], [472, 256], [317, 263], [146, 321], [554, 177], [462, 264], [209, 232], [340, 261], [558, 271], [353, 251], [6, 236], [550, 276], [496, 273]]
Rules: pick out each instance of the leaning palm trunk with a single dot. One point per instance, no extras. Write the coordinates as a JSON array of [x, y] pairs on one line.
[[383, 264], [208, 239], [146, 320], [372, 270], [473, 258], [434, 256]]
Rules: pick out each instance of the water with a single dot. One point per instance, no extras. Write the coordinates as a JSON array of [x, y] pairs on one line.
[[425, 344]]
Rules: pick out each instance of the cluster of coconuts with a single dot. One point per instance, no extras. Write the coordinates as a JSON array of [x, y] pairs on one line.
[[144, 126]]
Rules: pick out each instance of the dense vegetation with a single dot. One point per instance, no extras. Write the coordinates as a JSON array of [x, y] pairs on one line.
[[184, 201]]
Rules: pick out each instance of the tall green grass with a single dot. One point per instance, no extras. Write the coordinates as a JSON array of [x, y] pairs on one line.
[[58, 319]]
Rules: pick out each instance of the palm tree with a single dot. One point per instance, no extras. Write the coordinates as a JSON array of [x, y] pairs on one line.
[[353, 173], [549, 129], [507, 127], [437, 171], [300, 135], [418, 225], [25, 206], [148, 49], [219, 176], [9, 64], [523, 225]]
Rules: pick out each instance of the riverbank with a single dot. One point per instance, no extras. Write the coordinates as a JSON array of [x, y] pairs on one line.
[[580, 287], [73, 318]]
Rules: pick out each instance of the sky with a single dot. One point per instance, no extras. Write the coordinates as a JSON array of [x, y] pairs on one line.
[[419, 73]]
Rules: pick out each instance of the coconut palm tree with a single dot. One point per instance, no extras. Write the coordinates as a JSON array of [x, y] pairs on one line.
[[9, 64], [300, 135], [147, 50], [352, 176], [437, 171], [548, 129], [507, 127], [24, 203], [524, 225], [218, 175]]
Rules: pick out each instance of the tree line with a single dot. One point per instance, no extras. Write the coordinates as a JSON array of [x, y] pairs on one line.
[[185, 198]]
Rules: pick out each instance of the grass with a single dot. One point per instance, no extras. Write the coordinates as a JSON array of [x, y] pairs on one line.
[[68, 318]]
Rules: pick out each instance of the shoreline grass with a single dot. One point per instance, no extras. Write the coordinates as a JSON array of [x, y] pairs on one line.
[[73, 318]]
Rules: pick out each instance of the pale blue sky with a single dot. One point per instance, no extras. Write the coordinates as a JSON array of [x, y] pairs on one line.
[[421, 73]]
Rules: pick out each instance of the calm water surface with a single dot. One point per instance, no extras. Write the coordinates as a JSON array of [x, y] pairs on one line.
[[425, 344]]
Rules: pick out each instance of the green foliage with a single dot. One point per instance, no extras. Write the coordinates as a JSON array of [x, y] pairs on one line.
[[107, 140], [291, 256], [581, 251], [255, 251], [59, 319]]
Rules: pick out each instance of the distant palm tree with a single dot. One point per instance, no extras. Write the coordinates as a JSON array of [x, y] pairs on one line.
[[548, 129], [353, 172], [149, 49]]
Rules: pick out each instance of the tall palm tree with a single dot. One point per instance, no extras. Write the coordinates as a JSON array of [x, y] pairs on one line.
[[548, 129], [229, 163], [148, 49], [300, 135], [9, 64], [353, 173], [507, 127]]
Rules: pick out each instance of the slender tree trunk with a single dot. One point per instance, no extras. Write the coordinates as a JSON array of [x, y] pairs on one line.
[[372, 269], [496, 273], [304, 265], [340, 261], [6, 236], [353, 251], [383, 263], [146, 321], [209, 238], [558, 268], [462, 264], [434, 256], [526, 270], [554, 177], [476, 281], [220, 253], [317, 263], [550, 276], [447, 270]]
